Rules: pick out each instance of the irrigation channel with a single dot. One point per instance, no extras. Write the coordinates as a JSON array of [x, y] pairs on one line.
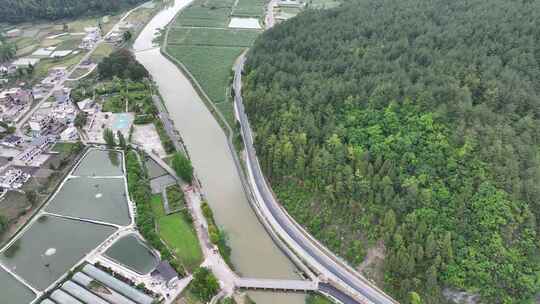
[[253, 252]]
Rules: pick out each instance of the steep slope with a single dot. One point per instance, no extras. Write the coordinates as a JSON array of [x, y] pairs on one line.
[[30, 10], [414, 123]]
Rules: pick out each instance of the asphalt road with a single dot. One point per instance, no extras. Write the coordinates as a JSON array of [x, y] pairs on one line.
[[342, 277]]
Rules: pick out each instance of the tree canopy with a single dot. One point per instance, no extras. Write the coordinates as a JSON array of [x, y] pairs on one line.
[[8, 50], [411, 122], [182, 166], [204, 285], [30, 10], [121, 63]]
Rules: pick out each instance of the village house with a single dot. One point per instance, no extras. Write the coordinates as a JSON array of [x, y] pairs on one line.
[[40, 124], [55, 75], [37, 146], [64, 113], [12, 141], [69, 134], [12, 102], [88, 106], [38, 92], [116, 36], [93, 35], [16, 96], [62, 95], [13, 179], [24, 63]]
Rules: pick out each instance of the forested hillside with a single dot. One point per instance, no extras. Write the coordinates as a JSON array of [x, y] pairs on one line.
[[412, 123], [30, 10]]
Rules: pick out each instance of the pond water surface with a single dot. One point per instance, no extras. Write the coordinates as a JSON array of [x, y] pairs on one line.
[[132, 253], [50, 247], [12, 291], [101, 199], [100, 163]]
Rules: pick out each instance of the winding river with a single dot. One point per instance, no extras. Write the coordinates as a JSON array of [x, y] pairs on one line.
[[253, 252]]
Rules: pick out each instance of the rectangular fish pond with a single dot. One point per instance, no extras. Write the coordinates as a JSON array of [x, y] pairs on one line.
[[131, 252], [101, 199], [50, 247], [100, 163]]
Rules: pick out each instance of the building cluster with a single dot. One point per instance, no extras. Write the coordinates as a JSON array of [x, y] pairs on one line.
[[117, 35], [13, 103], [93, 35], [55, 117], [12, 179]]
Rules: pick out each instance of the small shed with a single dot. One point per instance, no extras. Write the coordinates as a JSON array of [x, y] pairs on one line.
[[165, 271]]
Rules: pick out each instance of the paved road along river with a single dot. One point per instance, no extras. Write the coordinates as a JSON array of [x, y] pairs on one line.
[[253, 252]]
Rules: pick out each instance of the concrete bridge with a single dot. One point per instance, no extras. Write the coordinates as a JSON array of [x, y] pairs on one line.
[[277, 285]]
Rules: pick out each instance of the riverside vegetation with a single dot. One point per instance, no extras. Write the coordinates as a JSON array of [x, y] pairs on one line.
[[413, 124]]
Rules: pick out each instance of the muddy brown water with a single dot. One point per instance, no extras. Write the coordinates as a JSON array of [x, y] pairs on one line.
[[253, 252]]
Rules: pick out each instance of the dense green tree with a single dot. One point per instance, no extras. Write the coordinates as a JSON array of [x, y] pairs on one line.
[[412, 123], [31, 197], [30, 10], [414, 298], [204, 285], [3, 223], [182, 166], [108, 136], [121, 63], [121, 140], [126, 36], [7, 50]]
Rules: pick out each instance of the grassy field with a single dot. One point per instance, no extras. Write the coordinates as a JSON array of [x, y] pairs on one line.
[[63, 147], [249, 8], [69, 43], [102, 51], [213, 37], [177, 231], [78, 73], [211, 66]]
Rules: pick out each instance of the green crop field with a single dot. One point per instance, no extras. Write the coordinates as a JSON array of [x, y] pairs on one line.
[[203, 16], [69, 43], [214, 37], [178, 233], [249, 8], [211, 66]]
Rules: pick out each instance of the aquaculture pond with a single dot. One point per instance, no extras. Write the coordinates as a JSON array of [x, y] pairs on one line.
[[50, 247], [131, 252], [12, 291], [100, 163], [101, 199]]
